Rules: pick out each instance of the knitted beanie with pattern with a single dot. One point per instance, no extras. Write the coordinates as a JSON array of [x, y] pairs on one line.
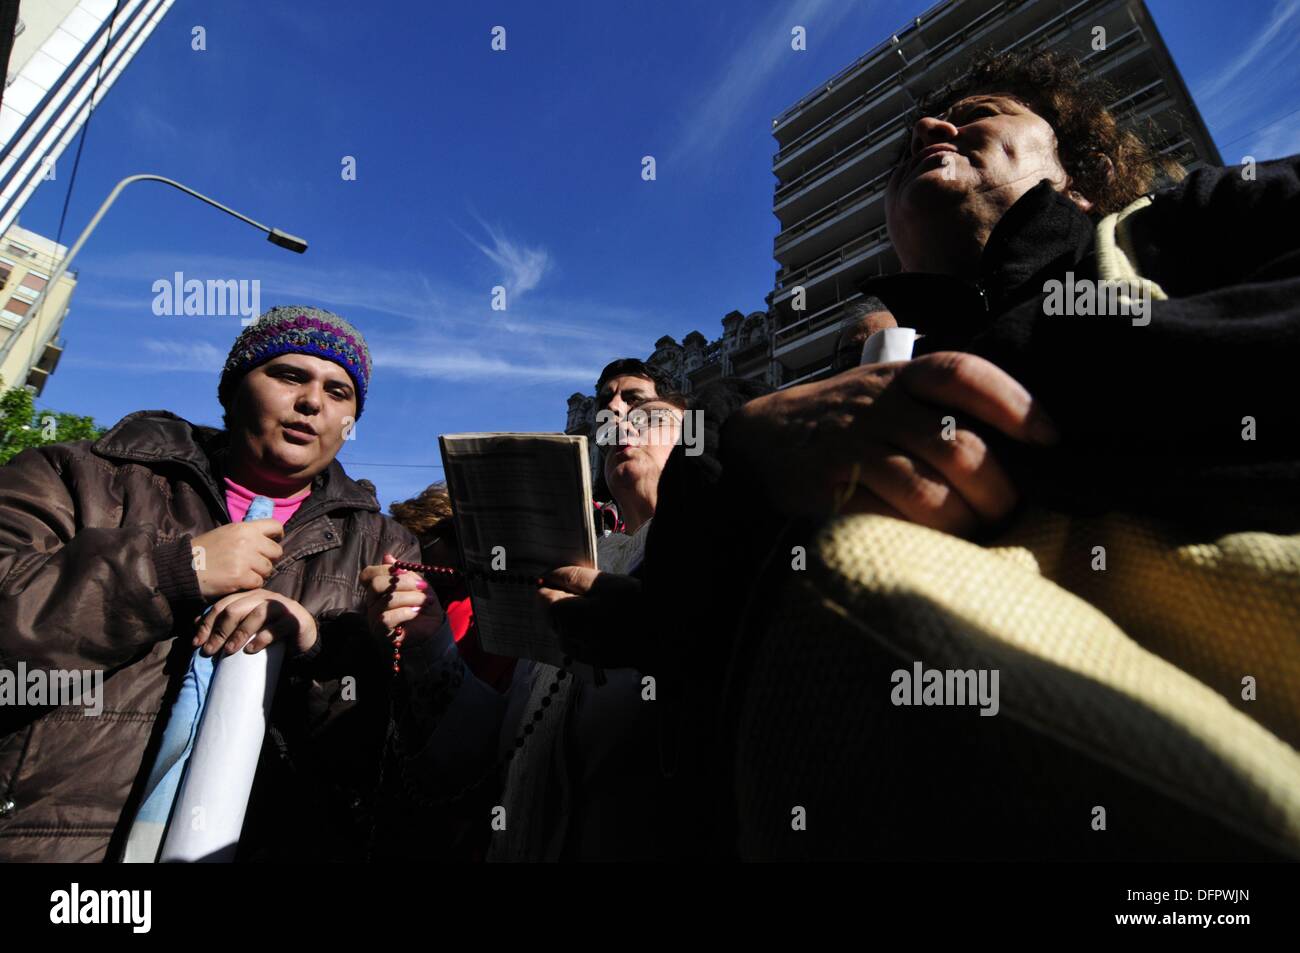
[[296, 329]]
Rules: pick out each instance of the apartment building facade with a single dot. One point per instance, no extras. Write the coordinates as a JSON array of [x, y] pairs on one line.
[[27, 261]]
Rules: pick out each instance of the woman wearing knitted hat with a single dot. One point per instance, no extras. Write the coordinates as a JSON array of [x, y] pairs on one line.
[[110, 550]]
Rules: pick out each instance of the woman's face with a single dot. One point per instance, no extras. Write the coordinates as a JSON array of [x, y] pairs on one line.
[[290, 416], [966, 167], [640, 445]]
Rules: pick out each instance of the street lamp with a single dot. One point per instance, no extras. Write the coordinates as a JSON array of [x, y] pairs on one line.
[[274, 235]]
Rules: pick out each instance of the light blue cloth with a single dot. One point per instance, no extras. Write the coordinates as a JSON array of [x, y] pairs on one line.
[[150, 826]]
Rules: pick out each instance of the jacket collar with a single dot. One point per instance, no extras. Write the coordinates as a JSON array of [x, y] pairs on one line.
[[156, 436], [1042, 235]]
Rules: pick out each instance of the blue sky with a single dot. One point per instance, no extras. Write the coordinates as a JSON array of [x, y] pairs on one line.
[[477, 168]]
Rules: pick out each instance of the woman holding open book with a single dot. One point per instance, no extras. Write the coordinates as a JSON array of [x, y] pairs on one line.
[[588, 784]]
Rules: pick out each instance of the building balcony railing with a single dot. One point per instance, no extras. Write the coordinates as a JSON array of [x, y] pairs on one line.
[[785, 279], [858, 102], [1128, 106], [1181, 143], [960, 37], [861, 194], [822, 368], [1052, 31], [1060, 24], [813, 322], [854, 150], [880, 50], [1131, 37], [50, 356], [834, 118]]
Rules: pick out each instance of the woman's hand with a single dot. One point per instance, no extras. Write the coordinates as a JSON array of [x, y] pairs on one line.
[[600, 616], [386, 612], [892, 439], [253, 620]]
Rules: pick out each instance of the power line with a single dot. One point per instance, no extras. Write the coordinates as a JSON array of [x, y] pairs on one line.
[[90, 113], [416, 466], [1267, 125], [76, 162]]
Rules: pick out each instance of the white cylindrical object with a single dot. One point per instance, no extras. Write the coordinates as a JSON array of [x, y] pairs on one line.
[[209, 813], [888, 345]]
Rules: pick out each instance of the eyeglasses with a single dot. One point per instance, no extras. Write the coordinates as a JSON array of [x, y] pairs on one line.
[[640, 419]]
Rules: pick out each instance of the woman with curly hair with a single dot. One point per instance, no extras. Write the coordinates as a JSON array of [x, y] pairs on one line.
[[1017, 184]]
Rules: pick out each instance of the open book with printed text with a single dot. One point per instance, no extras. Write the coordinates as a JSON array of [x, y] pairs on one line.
[[522, 503]]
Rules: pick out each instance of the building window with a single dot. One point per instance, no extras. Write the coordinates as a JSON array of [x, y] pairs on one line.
[[34, 281], [17, 306]]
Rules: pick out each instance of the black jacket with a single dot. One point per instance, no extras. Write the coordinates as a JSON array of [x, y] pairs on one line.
[[1151, 416]]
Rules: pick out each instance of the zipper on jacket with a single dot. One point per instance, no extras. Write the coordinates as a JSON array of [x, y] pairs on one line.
[[11, 788]]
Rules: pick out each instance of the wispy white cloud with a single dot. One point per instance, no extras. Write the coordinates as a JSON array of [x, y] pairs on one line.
[[163, 357], [282, 281], [522, 267], [185, 355], [1241, 95], [465, 365], [1285, 12], [755, 60], [442, 330]]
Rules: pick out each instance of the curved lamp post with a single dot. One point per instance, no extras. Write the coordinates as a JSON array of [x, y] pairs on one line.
[[274, 235]]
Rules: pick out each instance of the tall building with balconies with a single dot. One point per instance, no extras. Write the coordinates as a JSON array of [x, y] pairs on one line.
[[66, 56], [27, 262], [836, 146]]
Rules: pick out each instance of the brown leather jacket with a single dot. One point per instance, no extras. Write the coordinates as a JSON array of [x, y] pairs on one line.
[[96, 573]]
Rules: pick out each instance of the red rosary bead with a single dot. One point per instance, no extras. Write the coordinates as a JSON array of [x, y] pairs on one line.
[[398, 635]]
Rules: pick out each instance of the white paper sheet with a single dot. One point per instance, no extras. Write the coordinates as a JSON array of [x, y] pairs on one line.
[[888, 345]]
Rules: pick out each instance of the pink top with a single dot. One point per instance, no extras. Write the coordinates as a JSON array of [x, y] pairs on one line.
[[239, 499]]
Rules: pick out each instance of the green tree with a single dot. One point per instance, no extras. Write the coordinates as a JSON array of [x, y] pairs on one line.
[[23, 426]]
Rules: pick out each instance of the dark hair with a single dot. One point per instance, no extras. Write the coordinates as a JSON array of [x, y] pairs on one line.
[[665, 386], [1056, 87]]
